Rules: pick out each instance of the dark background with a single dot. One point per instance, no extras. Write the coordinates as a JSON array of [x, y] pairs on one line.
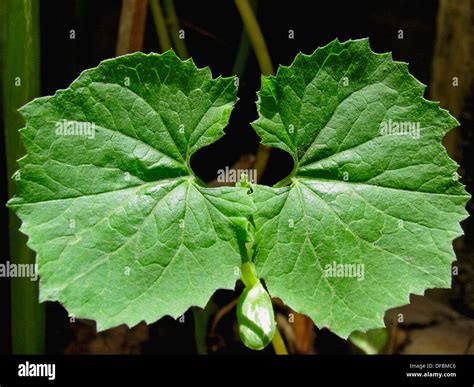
[[213, 31]]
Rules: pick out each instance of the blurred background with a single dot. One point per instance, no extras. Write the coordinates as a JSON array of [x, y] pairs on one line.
[[48, 43]]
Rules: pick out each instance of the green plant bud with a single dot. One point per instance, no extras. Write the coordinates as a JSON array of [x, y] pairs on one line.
[[255, 317]]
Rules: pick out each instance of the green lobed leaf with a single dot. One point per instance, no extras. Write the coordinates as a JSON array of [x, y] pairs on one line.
[[122, 228], [379, 206]]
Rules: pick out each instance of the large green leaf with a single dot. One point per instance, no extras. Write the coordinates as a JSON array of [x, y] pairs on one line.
[[123, 230], [362, 193]]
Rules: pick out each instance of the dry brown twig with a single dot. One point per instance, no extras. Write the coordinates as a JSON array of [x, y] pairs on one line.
[[131, 27]]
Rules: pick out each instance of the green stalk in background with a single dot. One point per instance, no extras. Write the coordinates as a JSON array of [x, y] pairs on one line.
[[244, 49], [20, 83], [160, 25], [256, 37], [173, 21], [201, 321], [266, 67], [278, 344]]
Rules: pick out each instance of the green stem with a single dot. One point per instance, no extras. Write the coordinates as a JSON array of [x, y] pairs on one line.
[[160, 25], [242, 56], [266, 67], [244, 49], [173, 21], [201, 321], [20, 85], [256, 37], [284, 182], [248, 274], [278, 343]]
